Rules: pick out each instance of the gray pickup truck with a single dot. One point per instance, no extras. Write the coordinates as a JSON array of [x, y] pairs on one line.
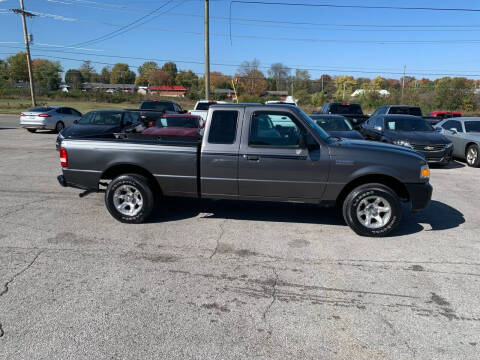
[[252, 152]]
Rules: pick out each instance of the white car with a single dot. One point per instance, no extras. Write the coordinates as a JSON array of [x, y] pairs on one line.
[[201, 108], [49, 118]]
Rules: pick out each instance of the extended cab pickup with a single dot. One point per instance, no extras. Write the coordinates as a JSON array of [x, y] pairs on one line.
[[252, 152]]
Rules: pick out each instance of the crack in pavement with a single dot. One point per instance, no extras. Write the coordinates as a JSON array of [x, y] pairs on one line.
[[222, 232], [274, 295], [12, 279]]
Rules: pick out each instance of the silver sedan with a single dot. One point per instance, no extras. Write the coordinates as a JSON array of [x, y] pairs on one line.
[[49, 118], [464, 133]]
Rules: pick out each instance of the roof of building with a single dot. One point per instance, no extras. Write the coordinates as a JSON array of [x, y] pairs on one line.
[[222, 91], [108, 86], [168, 88]]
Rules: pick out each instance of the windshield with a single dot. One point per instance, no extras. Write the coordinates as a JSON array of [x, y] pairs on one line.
[[156, 105], [333, 124], [185, 122], [314, 125], [406, 110], [101, 118], [472, 126], [347, 109], [204, 105], [407, 124]]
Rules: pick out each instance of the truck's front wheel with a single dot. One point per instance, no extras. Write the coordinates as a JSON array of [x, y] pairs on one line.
[[129, 198], [372, 210]]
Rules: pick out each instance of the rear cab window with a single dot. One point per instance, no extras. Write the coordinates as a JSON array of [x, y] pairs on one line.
[[223, 127]]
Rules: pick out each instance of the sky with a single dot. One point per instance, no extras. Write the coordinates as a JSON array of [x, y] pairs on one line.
[[324, 40]]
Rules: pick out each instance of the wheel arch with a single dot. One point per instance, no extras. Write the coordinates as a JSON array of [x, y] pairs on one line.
[[396, 185], [122, 169], [470, 143]]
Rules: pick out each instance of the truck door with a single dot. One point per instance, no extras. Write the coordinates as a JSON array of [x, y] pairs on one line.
[[272, 163], [219, 156]]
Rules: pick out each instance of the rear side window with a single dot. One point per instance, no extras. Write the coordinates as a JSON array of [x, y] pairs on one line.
[[453, 124], [223, 127]]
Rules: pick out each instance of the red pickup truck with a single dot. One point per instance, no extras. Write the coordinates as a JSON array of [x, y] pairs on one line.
[[178, 124], [445, 114]]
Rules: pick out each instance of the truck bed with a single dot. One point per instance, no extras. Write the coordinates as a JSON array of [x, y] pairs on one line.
[[171, 160]]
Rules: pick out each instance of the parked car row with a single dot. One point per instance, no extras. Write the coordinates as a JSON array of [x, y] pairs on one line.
[[395, 124]]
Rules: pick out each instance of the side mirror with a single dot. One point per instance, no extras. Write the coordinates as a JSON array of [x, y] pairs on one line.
[[307, 141], [438, 128], [454, 131], [75, 121]]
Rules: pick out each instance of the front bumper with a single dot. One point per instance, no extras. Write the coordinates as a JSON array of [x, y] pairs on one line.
[[420, 195], [438, 157]]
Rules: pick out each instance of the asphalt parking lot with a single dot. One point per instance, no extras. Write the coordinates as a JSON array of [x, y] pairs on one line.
[[228, 280]]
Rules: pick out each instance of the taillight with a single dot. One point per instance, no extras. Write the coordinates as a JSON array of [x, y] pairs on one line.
[[63, 157], [45, 115], [22, 114]]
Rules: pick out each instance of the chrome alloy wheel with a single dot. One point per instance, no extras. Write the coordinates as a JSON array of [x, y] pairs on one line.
[[472, 155], [128, 200], [374, 212]]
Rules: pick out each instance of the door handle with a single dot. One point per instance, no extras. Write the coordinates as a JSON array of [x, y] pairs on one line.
[[253, 158]]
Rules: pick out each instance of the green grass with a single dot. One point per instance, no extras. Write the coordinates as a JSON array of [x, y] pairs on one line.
[[16, 106]]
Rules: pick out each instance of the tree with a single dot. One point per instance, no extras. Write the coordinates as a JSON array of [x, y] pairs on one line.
[[87, 71], [454, 93], [170, 68], [217, 79], [74, 78], [280, 74], [319, 99], [379, 83], [187, 79], [251, 79], [47, 74], [301, 81], [3, 70], [161, 77], [105, 75], [345, 85], [17, 67], [121, 74], [144, 72]]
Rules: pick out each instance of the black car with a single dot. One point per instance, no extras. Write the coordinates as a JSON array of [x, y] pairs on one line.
[[412, 132], [100, 122], [336, 125]]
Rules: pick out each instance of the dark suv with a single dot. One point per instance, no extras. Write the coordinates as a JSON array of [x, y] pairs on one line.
[[165, 106]]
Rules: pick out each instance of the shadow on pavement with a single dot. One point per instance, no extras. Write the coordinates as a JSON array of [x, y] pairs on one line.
[[440, 216], [451, 165]]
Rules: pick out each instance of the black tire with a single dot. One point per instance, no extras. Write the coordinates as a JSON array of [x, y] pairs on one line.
[[473, 161], [142, 185], [31, 130], [59, 126], [359, 200]]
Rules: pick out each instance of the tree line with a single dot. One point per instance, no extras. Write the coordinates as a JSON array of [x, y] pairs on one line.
[[250, 82]]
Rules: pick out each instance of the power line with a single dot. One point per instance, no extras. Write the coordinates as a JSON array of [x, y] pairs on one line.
[[125, 28], [408, 8]]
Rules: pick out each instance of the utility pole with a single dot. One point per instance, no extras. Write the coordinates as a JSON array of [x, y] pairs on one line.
[[207, 50], [343, 97], [322, 83], [403, 80], [27, 47]]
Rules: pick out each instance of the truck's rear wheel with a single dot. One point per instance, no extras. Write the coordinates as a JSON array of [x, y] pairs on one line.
[[372, 210], [129, 198]]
